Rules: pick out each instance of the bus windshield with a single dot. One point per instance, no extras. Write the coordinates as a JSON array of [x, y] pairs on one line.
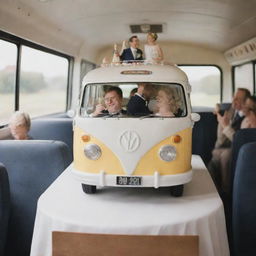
[[141, 99]]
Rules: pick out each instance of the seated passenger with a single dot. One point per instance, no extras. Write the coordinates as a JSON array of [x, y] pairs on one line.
[[249, 121], [249, 110], [113, 103], [228, 124], [19, 125], [166, 103], [138, 104], [132, 92]]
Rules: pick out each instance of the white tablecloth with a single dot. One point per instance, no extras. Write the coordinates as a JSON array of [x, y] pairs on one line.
[[65, 207]]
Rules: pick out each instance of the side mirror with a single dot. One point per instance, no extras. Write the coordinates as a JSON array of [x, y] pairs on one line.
[[195, 117], [71, 113]]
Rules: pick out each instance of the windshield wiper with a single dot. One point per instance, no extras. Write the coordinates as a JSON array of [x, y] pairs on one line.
[[147, 116]]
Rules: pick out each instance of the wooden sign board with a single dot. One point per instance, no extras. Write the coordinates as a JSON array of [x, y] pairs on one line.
[[82, 244]]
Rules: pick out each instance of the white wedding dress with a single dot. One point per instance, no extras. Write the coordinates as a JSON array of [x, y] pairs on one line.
[[151, 52]]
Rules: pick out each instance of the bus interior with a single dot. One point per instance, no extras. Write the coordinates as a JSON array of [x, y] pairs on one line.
[[48, 46]]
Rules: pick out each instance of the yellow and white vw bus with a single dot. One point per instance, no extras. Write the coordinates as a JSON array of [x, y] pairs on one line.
[[150, 150]]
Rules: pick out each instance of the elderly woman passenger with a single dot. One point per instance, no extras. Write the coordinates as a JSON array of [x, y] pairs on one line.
[[19, 125]]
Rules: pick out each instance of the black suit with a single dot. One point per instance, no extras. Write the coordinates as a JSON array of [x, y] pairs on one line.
[[127, 55], [236, 122], [137, 106]]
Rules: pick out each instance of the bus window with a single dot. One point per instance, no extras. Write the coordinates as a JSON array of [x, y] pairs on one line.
[[206, 84], [243, 75], [86, 66], [8, 56], [43, 82]]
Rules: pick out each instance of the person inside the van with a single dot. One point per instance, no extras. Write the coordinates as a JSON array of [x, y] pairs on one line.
[[132, 92], [138, 104], [166, 104], [112, 103], [19, 125]]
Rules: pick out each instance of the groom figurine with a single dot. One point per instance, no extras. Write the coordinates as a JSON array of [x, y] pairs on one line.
[[132, 53]]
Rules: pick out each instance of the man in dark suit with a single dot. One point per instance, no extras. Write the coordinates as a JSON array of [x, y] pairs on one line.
[[231, 121], [228, 124], [138, 104], [113, 104], [133, 52]]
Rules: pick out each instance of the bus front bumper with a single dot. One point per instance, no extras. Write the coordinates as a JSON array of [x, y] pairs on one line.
[[156, 180]]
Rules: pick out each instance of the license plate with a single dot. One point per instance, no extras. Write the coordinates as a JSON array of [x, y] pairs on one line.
[[128, 181]]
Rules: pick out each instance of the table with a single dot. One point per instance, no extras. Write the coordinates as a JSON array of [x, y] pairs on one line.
[[147, 211]]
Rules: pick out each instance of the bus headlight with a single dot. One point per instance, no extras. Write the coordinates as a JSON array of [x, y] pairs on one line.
[[92, 151], [167, 153]]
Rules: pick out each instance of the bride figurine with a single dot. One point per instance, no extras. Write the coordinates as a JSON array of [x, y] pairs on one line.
[[153, 52]]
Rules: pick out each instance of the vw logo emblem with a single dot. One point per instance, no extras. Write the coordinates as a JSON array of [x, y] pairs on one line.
[[130, 141]]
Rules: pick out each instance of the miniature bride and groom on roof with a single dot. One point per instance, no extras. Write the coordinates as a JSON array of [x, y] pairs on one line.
[[153, 52]]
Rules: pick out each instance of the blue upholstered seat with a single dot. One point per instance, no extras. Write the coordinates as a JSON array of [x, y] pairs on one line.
[[241, 137], [58, 115], [4, 206], [244, 202], [204, 136], [32, 166], [53, 129]]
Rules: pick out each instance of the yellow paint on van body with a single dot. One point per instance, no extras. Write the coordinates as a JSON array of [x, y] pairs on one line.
[[149, 163], [108, 162]]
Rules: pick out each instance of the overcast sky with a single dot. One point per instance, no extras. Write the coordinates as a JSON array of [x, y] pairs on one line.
[[33, 60]]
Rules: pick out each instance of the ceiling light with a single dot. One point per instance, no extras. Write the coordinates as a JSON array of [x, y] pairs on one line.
[[44, 1], [145, 28]]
